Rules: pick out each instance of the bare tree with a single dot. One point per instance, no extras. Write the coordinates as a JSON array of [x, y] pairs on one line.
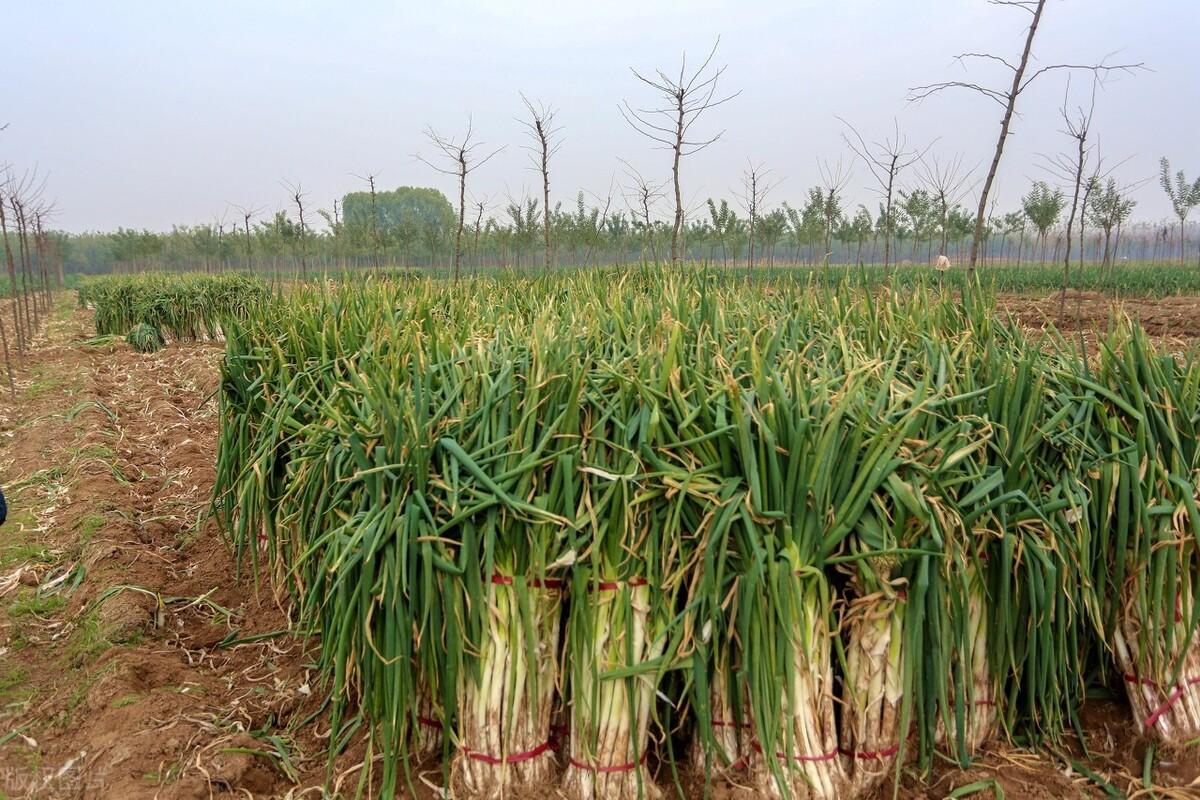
[[19, 323], [248, 213], [297, 193], [1006, 98], [8, 359], [23, 197], [1078, 126], [547, 139], [886, 159], [370, 179], [686, 99], [601, 216], [948, 184], [219, 224], [460, 158], [755, 188], [480, 207], [641, 195], [834, 179]]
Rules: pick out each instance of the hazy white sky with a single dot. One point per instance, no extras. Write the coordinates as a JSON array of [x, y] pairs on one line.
[[146, 114]]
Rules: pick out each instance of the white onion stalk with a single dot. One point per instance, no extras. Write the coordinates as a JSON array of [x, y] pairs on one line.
[[873, 689], [610, 717], [981, 711], [732, 741], [1165, 709], [427, 734], [806, 744], [504, 736], [980, 698]]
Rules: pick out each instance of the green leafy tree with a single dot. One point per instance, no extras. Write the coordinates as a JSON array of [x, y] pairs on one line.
[[724, 225], [1108, 210], [414, 204], [1184, 197], [772, 227], [858, 229], [1042, 207], [917, 207]]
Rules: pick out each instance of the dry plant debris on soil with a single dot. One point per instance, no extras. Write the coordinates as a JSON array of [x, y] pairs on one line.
[[133, 664]]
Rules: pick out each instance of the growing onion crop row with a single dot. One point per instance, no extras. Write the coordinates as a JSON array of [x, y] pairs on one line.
[[594, 529]]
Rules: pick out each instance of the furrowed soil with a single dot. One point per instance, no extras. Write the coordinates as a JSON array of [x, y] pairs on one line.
[[134, 663]]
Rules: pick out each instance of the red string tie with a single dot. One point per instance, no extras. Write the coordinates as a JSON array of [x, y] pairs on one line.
[[870, 755], [516, 758], [832, 754], [612, 586], [534, 583], [1172, 699], [608, 770]]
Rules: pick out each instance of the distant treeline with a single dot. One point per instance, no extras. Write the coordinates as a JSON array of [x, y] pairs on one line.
[[413, 226]]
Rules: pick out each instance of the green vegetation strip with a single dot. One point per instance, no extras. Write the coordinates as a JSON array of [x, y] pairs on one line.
[[150, 307]]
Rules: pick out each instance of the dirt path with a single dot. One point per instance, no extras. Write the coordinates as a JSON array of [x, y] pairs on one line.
[[134, 665], [117, 677]]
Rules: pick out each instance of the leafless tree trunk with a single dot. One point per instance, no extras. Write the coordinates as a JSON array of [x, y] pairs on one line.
[[686, 98], [375, 243], [8, 364], [298, 198], [587, 254], [641, 197], [1006, 99], [948, 184], [27, 284], [480, 206], [19, 324], [885, 159], [1071, 169], [754, 192], [546, 142], [463, 158], [247, 214]]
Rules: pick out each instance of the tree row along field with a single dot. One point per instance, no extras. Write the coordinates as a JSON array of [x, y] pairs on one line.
[[415, 227]]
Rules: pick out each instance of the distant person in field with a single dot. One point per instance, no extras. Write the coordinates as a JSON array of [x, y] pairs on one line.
[[3, 508]]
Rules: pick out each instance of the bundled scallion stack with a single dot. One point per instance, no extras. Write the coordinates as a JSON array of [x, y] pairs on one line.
[[549, 528]]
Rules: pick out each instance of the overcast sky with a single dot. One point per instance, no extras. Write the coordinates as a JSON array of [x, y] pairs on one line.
[[146, 114]]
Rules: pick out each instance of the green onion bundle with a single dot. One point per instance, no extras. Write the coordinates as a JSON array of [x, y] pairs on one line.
[[548, 528]]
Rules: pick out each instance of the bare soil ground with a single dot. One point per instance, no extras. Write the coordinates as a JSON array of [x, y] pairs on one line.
[[1173, 322], [135, 664]]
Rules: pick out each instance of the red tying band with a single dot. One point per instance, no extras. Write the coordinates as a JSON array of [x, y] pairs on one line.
[[871, 755], [612, 586], [832, 754], [724, 723], [1143, 681], [516, 758], [430, 722], [607, 770], [1171, 700], [985, 702], [548, 583]]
